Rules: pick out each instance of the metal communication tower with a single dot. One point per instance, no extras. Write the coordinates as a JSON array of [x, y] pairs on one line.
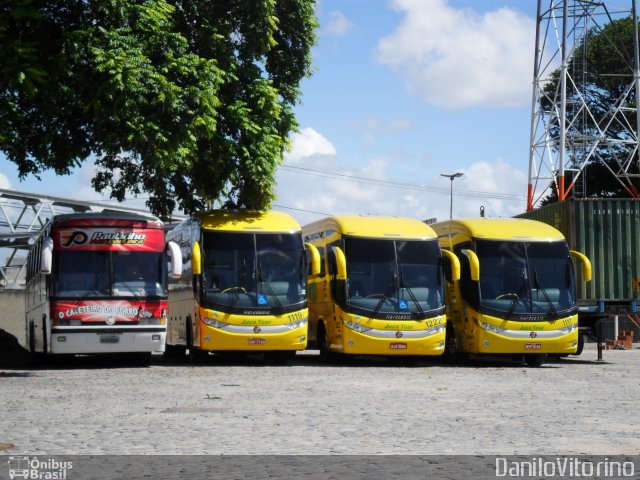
[[566, 133]]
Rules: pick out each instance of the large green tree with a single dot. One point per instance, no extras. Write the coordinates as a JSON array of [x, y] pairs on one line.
[[190, 101], [601, 71]]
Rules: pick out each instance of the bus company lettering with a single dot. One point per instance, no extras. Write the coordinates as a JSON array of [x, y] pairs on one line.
[[103, 309], [118, 238], [255, 322], [402, 326]]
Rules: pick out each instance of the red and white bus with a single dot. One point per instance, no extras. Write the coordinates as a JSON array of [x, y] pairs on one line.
[[97, 283]]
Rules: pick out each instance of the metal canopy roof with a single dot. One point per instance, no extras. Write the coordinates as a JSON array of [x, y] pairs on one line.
[[24, 214]]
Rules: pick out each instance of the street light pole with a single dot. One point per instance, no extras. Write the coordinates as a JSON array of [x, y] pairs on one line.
[[451, 176]]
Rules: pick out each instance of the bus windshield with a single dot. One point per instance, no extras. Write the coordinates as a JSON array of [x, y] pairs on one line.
[[253, 270], [391, 276], [525, 277], [109, 274]]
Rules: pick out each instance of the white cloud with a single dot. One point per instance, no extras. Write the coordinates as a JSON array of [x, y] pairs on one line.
[[328, 195], [338, 25], [456, 58], [496, 177], [308, 143], [4, 181]]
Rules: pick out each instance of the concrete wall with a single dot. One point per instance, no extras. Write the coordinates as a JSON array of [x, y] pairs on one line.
[[12, 314]]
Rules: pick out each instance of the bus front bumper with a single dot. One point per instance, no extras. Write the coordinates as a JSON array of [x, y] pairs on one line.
[[253, 339], [394, 343], [73, 341], [535, 343]]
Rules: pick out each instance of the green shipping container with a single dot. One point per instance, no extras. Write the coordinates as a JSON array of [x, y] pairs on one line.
[[608, 232]]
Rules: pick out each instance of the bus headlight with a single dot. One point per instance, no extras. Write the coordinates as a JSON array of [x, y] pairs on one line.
[[297, 324], [436, 329], [215, 323], [491, 328], [357, 327], [569, 329]]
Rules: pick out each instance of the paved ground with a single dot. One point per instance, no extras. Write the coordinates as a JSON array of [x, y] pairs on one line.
[[486, 407]]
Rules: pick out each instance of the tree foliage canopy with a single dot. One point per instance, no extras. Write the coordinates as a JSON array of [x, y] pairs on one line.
[[602, 69], [190, 101]]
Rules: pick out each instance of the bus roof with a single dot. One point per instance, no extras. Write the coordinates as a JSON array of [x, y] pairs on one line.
[[376, 226], [516, 229], [105, 219], [248, 221]]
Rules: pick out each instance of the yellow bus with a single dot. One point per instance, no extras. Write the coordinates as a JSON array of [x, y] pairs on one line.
[[516, 294], [244, 285], [380, 289]]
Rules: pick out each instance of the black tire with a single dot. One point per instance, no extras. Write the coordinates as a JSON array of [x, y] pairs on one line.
[[452, 353], [580, 343], [325, 354], [32, 339], [195, 354], [535, 360]]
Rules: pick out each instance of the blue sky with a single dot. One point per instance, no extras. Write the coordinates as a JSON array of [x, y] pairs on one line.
[[403, 90]]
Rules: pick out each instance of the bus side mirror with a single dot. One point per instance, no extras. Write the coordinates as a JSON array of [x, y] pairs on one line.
[[474, 264], [176, 259], [454, 264], [315, 258], [46, 258], [586, 265], [196, 259], [341, 263]]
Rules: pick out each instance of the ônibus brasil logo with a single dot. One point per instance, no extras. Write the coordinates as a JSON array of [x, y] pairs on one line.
[[73, 238], [35, 468]]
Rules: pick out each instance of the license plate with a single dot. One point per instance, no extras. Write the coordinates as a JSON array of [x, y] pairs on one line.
[[109, 338], [532, 346], [398, 346], [257, 341]]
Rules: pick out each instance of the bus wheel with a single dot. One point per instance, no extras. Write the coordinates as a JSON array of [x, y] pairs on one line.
[[32, 339], [535, 360], [580, 343], [325, 354], [451, 351]]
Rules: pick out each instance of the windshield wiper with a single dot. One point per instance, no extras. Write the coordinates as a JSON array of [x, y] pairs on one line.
[[539, 286], [135, 295], [262, 278], [410, 292], [385, 295], [516, 300], [92, 289]]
